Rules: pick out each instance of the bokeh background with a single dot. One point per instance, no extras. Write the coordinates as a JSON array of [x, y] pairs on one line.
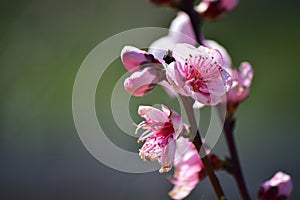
[[43, 43]]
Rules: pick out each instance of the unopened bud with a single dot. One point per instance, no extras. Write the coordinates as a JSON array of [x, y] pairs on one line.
[[212, 9]]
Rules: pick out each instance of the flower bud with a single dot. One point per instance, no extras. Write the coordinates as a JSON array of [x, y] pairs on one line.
[[212, 9], [242, 80], [279, 187]]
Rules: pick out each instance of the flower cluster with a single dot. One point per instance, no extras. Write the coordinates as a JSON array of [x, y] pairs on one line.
[[202, 73], [193, 72]]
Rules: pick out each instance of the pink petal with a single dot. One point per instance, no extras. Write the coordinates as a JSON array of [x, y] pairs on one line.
[[177, 123], [181, 191], [202, 98], [245, 74], [150, 151], [183, 51], [187, 168], [181, 30], [132, 58], [153, 114], [176, 79], [135, 59], [227, 63], [141, 82], [237, 94], [166, 110], [168, 88], [213, 55], [167, 156]]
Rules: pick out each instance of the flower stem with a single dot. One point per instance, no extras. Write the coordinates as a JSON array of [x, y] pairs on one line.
[[188, 105], [237, 170]]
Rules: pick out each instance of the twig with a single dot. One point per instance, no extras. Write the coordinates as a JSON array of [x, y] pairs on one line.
[[188, 105]]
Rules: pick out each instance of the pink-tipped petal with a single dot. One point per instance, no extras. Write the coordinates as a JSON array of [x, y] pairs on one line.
[[168, 155], [135, 59], [152, 114], [188, 165], [141, 82], [132, 58]]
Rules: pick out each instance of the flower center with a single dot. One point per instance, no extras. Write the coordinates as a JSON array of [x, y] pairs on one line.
[[165, 133], [196, 80]]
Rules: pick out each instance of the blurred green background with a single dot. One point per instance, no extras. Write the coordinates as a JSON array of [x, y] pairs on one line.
[[43, 43]]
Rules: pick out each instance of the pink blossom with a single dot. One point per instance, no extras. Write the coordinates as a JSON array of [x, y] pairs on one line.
[[212, 9], [277, 188], [162, 128], [198, 73], [227, 63], [147, 71], [189, 169], [242, 80]]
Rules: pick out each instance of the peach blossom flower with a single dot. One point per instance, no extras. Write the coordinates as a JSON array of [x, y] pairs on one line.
[[162, 128], [198, 73]]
